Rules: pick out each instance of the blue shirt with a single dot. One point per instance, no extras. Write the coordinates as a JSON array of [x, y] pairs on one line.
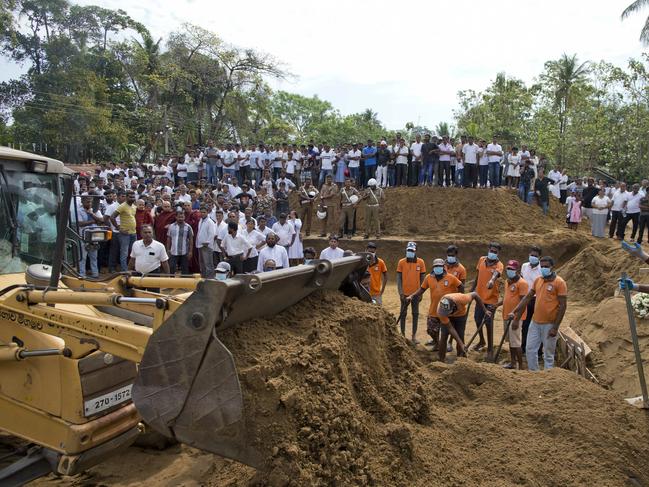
[[371, 152]]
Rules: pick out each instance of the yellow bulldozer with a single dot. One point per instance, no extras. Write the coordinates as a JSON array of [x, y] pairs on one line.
[[84, 363]]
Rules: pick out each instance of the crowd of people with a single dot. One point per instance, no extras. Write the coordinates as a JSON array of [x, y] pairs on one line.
[[613, 204], [226, 210]]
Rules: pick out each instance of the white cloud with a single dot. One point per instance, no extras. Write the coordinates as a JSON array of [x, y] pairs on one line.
[[406, 60]]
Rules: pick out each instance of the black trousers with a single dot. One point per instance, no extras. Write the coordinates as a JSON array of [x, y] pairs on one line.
[[402, 174], [644, 224], [614, 227], [413, 173], [563, 194], [444, 173], [630, 217], [470, 175], [414, 307], [527, 321], [236, 264], [178, 261]]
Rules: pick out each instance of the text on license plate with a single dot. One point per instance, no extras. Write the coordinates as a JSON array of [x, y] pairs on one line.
[[93, 406]]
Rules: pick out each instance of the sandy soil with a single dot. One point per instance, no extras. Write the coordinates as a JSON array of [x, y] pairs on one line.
[[335, 396]]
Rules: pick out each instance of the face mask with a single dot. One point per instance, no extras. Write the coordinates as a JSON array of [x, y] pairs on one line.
[[438, 270], [511, 273], [546, 271], [534, 260], [451, 259], [221, 276], [410, 254], [268, 269], [492, 256], [308, 261]]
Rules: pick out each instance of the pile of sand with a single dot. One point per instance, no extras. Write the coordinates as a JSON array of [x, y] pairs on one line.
[[593, 273], [334, 396], [454, 211], [606, 330]]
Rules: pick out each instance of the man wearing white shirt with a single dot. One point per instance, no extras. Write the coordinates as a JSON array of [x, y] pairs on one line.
[[229, 160], [445, 151], [530, 271], [205, 244], [495, 155], [244, 164], [619, 202], [148, 255], [632, 209], [285, 231], [326, 158], [401, 153], [415, 163], [256, 163], [236, 248], [470, 153], [332, 252], [274, 252], [354, 162]]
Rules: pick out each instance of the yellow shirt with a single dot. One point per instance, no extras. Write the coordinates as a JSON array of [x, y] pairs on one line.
[[126, 217]]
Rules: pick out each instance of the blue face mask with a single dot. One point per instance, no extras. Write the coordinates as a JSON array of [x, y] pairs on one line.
[[410, 254], [492, 256], [307, 261], [438, 270], [534, 260], [268, 269], [511, 273], [546, 271], [451, 259], [221, 276]]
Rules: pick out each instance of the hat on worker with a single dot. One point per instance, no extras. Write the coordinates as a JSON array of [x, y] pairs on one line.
[[371, 245], [445, 308], [411, 246], [223, 268], [513, 265], [437, 262]]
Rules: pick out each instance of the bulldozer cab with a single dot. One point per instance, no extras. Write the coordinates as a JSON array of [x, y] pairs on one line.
[[31, 191]]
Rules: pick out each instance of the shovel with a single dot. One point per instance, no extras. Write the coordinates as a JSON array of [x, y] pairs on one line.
[[636, 345], [468, 345], [502, 340]]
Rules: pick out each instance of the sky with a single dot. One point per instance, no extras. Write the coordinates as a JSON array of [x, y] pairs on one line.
[[405, 60]]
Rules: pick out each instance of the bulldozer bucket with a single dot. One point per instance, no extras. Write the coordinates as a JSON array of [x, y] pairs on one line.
[[187, 387]]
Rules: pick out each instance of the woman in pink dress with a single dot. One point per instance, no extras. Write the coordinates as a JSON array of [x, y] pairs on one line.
[[574, 215]]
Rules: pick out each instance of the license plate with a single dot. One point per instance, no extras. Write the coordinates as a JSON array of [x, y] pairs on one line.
[[101, 403]]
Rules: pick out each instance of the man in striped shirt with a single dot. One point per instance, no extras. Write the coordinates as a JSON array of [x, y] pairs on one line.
[[180, 242]]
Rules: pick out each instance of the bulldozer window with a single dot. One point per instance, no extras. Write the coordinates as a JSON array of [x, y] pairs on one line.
[[28, 207]]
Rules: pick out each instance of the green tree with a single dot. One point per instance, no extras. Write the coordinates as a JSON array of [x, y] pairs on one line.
[[634, 8]]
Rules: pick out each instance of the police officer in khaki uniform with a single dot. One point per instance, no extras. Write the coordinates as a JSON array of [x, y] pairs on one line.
[[308, 193], [329, 201], [373, 196], [347, 207]]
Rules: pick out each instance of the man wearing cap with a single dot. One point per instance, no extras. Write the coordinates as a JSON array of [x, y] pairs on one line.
[[551, 294], [349, 197], [333, 251], [373, 195], [410, 275], [452, 312], [307, 195], [378, 274], [223, 271], [328, 199], [440, 283], [273, 252], [516, 289]]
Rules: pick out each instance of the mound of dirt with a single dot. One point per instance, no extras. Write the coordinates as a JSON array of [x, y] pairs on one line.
[[334, 396], [606, 330], [593, 273], [454, 211]]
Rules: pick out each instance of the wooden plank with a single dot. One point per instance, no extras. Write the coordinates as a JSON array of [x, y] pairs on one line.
[[575, 340]]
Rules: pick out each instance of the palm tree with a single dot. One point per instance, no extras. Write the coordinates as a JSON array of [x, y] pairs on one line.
[[634, 8], [564, 76]]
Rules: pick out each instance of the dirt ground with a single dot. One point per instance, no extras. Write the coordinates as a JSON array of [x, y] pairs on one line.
[[335, 396]]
